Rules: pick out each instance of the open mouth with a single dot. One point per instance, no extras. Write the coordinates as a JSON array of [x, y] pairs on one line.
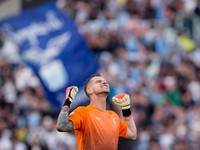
[[105, 86]]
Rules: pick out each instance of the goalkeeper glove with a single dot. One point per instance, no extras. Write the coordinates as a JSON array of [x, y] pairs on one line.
[[70, 95], [123, 101]]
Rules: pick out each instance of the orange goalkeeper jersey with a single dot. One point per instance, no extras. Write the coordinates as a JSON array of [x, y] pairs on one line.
[[97, 130]]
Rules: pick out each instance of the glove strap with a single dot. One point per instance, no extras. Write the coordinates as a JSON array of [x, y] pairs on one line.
[[67, 103], [126, 112], [126, 107]]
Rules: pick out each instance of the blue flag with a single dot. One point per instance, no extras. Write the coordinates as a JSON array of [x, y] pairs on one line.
[[51, 44]]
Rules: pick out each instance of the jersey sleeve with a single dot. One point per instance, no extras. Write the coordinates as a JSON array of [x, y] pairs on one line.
[[122, 129], [78, 117]]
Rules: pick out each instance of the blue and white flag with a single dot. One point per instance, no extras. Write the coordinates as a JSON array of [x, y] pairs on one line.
[[51, 44]]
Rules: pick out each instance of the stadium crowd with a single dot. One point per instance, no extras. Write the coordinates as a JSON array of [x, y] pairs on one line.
[[149, 49]]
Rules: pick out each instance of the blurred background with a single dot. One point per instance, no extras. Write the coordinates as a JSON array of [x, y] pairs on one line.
[[149, 49]]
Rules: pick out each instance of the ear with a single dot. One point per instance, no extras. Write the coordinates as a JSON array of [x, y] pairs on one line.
[[89, 91]]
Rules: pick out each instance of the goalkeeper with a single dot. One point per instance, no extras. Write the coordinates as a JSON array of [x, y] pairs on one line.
[[97, 128]]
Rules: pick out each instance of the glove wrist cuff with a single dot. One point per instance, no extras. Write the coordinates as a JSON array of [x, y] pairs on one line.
[[67, 102], [126, 107], [126, 112]]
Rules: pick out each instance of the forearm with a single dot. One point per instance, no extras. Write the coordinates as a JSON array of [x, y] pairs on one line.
[[63, 123], [123, 101], [132, 130]]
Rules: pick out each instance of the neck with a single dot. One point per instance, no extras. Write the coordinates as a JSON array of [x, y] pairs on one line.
[[98, 101]]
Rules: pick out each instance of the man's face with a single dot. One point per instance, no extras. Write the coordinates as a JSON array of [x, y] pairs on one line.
[[98, 85]]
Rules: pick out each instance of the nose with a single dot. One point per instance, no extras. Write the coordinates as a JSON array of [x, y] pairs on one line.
[[104, 82]]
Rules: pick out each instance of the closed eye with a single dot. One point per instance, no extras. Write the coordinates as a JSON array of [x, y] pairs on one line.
[[98, 81]]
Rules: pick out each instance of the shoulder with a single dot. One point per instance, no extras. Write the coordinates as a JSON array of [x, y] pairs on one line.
[[80, 109], [112, 113]]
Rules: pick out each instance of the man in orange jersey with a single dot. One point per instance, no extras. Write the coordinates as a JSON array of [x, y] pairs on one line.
[[97, 128]]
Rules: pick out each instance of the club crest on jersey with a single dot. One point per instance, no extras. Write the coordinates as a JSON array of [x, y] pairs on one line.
[[113, 120]]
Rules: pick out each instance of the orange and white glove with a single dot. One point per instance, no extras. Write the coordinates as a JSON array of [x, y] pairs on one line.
[[123, 100], [70, 95]]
